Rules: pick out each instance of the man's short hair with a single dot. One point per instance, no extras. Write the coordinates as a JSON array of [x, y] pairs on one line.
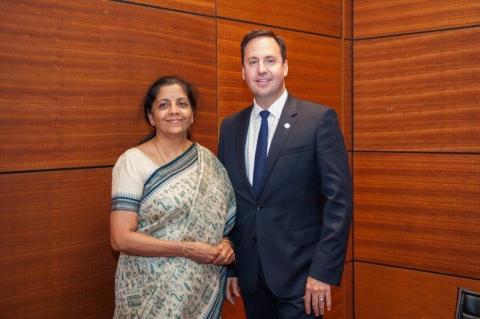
[[264, 33]]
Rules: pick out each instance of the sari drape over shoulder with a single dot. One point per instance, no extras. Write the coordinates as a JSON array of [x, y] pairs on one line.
[[188, 199]]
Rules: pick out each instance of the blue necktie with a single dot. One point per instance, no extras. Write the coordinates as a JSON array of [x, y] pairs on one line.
[[261, 153]]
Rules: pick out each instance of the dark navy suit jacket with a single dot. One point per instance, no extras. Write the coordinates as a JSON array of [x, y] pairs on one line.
[[299, 223]]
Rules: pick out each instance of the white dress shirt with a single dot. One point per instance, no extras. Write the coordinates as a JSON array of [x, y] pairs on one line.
[[254, 127]]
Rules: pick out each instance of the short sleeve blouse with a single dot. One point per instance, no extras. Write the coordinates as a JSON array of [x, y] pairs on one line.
[[128, 177]]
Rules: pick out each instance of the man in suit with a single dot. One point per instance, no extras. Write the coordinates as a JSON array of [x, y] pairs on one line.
[[289, 168]]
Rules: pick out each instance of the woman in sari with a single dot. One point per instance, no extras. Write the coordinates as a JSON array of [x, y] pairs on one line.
[[172, 208]]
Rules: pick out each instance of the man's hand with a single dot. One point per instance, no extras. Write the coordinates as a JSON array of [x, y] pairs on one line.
[[317, 294], [233, 290]]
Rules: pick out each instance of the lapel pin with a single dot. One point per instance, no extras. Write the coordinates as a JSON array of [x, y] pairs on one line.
[[286, 125]]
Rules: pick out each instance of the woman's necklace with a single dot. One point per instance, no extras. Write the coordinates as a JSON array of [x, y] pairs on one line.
[[162, 157]]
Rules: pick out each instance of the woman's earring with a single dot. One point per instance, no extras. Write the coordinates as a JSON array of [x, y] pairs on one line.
[[153, 124]]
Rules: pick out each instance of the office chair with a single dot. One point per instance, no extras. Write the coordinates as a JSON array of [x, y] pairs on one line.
[[468, 304]]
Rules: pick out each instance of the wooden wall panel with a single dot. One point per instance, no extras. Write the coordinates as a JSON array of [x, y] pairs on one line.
[[236, 311], [349, 255], [394, 293], [418, 211], [417, 214], [233, 93], [314, 68], [347, 97], [374, 18], [195, 6], [418, 92], [347, 19], [317, 16], [74, 73], [56, 260], [342, 296]]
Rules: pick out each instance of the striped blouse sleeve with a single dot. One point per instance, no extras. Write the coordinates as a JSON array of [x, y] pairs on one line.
[[127, 185]]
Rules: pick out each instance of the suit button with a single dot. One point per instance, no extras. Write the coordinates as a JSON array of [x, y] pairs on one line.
[[259, 207], [254, 238]]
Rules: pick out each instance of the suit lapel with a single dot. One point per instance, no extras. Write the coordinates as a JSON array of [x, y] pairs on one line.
[[284, 127], [241, 141]]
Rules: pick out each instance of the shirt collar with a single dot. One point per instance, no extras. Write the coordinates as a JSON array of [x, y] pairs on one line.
[[275, 109]]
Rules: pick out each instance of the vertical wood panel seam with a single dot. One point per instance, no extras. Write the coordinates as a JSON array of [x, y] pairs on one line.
[[217, 73], [352, 145]]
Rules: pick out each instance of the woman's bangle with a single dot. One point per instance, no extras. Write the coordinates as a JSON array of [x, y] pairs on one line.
[[184, 252]]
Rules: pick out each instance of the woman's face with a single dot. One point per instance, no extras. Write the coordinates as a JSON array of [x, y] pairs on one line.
[[171, 112]]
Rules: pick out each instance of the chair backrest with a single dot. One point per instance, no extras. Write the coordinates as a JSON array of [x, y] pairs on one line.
[[468, 304]]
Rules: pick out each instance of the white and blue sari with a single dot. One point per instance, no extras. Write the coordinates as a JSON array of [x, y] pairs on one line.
[[187, 199]]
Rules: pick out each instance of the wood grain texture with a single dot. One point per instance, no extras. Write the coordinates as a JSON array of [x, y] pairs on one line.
[[347, 97], [374, 18], [73, 75], [56, 260], [195, 6], [314, 68], [349, 255], [236, 311], [394, 293], [419, 211], [347, 19], [418, 92], [342, 296], [317, 16]]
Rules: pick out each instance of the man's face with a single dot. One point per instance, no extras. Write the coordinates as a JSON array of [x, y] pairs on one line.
[[263, 70]]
